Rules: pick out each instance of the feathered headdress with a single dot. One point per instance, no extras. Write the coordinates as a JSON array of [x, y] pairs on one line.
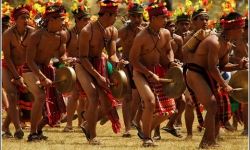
[[156, 9], [19, 10], [227, 7], [6, 8], [78, 9], [201, 8], [109, 6], [183, 13], [135, 6]]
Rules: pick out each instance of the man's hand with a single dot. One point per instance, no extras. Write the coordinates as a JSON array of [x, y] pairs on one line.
[[228, 89], [153, 78], [46, 82], [102, 82], [243, 64], [19, 82], [121, 64], [70, 61]]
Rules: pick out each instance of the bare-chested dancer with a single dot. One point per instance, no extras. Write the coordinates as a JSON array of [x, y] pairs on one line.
[[92, 71], [176, 44], [45, 43], [242, 52], [200, 21], [211, 55], [150, 54], [15, 40], [82, 18], [131, 101]]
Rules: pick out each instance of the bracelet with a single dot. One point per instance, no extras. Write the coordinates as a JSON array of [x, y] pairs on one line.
[[170, 64], [150, 76], [44, 79], [19, 77]]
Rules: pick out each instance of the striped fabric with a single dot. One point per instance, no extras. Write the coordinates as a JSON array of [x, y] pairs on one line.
[[54, 105], [164, 105], [223, 102], [196, 104], [24, 102], [100, 64]]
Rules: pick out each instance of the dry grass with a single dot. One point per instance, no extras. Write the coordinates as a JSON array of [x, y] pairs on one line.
[[59, 140]]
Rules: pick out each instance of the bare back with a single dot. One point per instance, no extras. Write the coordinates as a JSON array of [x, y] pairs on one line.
[[212, 49], [14, 46]]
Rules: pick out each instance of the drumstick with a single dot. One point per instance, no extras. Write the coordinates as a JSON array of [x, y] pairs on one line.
[[166, 80], [238, 89]]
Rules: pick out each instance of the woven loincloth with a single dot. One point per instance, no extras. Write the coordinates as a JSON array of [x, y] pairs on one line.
[[54, 105], [164, 105], [223, 102]]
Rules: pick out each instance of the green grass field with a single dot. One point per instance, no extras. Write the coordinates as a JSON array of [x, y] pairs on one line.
[[59, 140]]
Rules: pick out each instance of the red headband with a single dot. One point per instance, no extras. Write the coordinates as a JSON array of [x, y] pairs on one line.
[[108, 9], [54, 15], [157, 11], [240, 22], [19, 12]]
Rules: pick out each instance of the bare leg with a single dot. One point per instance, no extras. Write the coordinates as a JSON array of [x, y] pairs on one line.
[[40, 97], [135, 104], [12, 97], [71, 108], [126, 111], [82, 106], [245, 119], [189, 115]]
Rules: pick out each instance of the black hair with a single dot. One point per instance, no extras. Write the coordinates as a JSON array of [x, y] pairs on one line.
[[232, 16]]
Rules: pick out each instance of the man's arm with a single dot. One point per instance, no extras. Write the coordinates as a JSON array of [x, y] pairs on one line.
[[213, 51], [84, 40], [60, 54], [168, 51], [179, 52], [112, 49], [6, 40]]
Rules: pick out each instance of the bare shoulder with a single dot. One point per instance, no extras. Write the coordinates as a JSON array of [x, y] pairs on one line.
[[212, 40], [37, 34], [32, 29], [87, 28], [165, 31], [7, 33], [122, 32], [178, 38], [186, 38], [141, 36]]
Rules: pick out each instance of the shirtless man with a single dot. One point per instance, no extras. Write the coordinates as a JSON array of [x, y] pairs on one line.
[[82, 18], [45, 42], [183, 25], [93, 67], [214, 51], [148, 59], [15, 40], [176, 44], [200, 21], [242, 52], [131, 101]]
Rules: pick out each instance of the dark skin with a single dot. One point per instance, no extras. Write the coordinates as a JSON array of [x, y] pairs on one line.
[[213, 51], [162, 56], [14, 55], [131, 100]]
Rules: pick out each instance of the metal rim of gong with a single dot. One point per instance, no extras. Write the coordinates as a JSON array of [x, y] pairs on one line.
[[176, 88], [68, 75], [120, 79], [240, 80]]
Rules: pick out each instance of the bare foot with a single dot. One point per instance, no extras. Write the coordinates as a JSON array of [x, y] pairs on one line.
[[206, 145], [189, 138]]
